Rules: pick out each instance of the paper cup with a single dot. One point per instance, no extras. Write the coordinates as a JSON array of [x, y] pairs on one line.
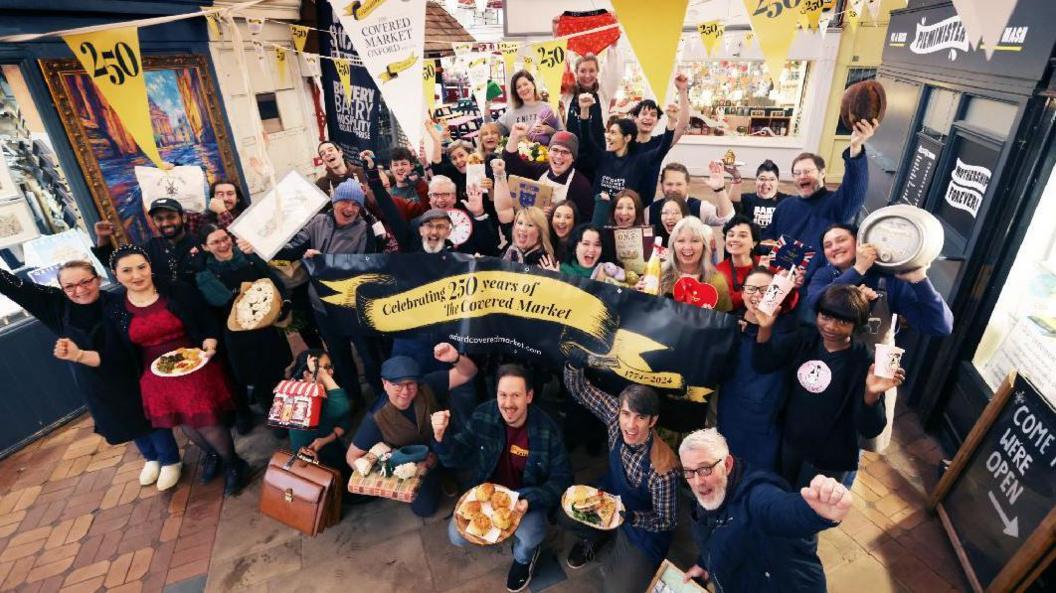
[[779, 287], [887, 361]]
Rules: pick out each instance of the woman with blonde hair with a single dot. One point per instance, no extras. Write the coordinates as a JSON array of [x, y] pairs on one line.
[[531, 239], [689, 255], [488, 141]]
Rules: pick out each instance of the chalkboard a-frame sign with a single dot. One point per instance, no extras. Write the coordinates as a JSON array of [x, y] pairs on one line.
[[997, 501]]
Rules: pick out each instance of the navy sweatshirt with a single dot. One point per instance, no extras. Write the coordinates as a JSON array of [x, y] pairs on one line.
[[614, 173], [826, 409]]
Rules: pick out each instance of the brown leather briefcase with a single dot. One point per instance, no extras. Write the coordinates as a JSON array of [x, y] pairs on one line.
[[300, 492]]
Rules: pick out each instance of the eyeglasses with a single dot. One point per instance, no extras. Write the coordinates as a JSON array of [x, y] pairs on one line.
[[72, 288], [749, 289], [802, 172], [404, 387], [558, 150], [220, 241], [439, 194], [702, 471]]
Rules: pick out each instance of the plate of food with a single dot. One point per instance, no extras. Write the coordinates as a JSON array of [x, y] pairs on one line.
[[257, 305], [593, 507], [179, 362], [487, 514]]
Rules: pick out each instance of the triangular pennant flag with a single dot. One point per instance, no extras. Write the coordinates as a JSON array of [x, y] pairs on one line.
[[344, 72], [995, 15], [479, 69], [549, 60], [823, 24], [255, 26], [258, 47], [775, 28], [429, 85], [853, 15], [509, 50], [280, 63], [462, 48], [971, 21], [300, 36], [112, 60], [653, 28], [874, 8], [214, 24], [710, 34], [810, 13], [390, 39]]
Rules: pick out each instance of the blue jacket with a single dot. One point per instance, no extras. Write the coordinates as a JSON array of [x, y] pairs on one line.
[[547, 473], [919, 303], [806, 219], [756, 542]]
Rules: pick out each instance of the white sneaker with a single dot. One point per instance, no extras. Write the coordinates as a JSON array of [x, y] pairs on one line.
[[169, 476], [149, 475]]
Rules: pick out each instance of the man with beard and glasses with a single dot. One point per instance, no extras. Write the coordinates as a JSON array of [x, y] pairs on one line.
[[751, 531], [511, 443], [642, 472], [172, 253]]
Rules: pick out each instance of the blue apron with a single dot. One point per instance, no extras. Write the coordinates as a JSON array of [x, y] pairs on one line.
[[636, 499]]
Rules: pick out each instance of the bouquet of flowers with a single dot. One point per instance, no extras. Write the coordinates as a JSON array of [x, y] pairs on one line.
[[533, 152]]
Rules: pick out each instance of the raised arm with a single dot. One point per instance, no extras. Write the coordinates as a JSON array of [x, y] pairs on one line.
[[464, 368], [588, 142], [389, 212], [503, 199], [601, 404], [46, 303], [682, 84]]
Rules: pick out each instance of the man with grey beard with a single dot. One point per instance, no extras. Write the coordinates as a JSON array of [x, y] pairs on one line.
[[752, 534]]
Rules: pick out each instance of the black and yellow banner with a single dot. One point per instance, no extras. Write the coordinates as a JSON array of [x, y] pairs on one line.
[[485, 305]]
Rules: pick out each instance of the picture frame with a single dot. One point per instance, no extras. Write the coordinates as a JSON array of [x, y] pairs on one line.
[[188, 124], [17, 224], [668, 579]]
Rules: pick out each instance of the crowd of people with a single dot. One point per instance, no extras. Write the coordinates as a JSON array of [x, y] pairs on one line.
[[767, 463]]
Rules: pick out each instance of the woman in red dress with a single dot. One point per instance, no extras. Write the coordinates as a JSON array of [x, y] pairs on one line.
[[156, 319]]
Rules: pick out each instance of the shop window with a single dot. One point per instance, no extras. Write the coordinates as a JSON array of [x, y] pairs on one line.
[[1021, 332], [270, 118], [941, 111], [854, 75], [995, 117], [40, 224], [732, 97]]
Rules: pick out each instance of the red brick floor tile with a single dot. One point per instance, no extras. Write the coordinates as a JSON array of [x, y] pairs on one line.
[[101, 526], [140, 536], [112, 496], [21, 551], [54, 513], [178, 502], [18, 573], [141, 560], [50, 569], [108, 548], [61, 553], [80, 528], [186, 571], [5, 569], [58, 534], [133, 587], [86, 555], [25, 537], [118, 573], [97, 569], [193, 540], [89, 586], [171, 528], [154, 582], [130, 493], [181, 557], [82, 447]]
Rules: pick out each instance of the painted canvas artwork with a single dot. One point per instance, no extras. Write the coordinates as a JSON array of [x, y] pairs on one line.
[[187, 123]]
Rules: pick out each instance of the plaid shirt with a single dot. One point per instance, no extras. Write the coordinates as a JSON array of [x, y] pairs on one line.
[[634, 458], [547, 473], [194, 221]]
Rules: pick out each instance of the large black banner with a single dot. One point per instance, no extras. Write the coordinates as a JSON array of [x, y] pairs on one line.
[[352, 122], [487, 304]]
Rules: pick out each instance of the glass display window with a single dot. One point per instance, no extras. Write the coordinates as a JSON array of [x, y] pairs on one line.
[[40, 223]]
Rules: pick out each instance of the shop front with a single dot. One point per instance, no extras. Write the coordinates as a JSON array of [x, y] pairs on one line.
[[969, 139], [61, 170]]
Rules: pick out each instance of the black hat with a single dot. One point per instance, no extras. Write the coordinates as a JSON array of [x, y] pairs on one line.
[[165, 204]]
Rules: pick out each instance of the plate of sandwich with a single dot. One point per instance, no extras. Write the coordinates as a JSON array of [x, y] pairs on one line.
[[593, 507], [487, 514]]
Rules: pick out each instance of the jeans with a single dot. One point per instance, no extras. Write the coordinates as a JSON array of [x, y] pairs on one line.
[[159, 445], [339, 348], [526, 539], [424, 505]]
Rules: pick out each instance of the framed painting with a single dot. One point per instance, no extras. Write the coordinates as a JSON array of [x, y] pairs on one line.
[[188, 128]]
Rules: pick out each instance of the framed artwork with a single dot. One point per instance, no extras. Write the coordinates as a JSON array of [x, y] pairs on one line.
[[16, 223], [188, 128]]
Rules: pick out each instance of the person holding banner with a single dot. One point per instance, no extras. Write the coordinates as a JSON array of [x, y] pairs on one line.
[[642, 472], [621, 162], [402, 417], [835, 397], [559, 173], [342, 230], [751, 533], [510, 442], [103, 370], [529, 108]]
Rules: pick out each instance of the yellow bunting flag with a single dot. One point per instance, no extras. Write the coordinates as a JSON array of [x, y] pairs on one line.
[[360, 10], [112, 60], [393, 70], [710, 34], [214, 24], [462, 47], [549, 59], [344, 72], [429, 84], [654, 29], [300, 36], [853, 15], [509, 50], [810, 12], [280, 63], [775, 26]]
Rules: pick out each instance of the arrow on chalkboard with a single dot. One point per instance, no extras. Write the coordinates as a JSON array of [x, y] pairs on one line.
[[1011, 527]]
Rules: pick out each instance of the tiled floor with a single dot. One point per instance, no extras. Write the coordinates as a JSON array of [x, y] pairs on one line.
[[74, 519]]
